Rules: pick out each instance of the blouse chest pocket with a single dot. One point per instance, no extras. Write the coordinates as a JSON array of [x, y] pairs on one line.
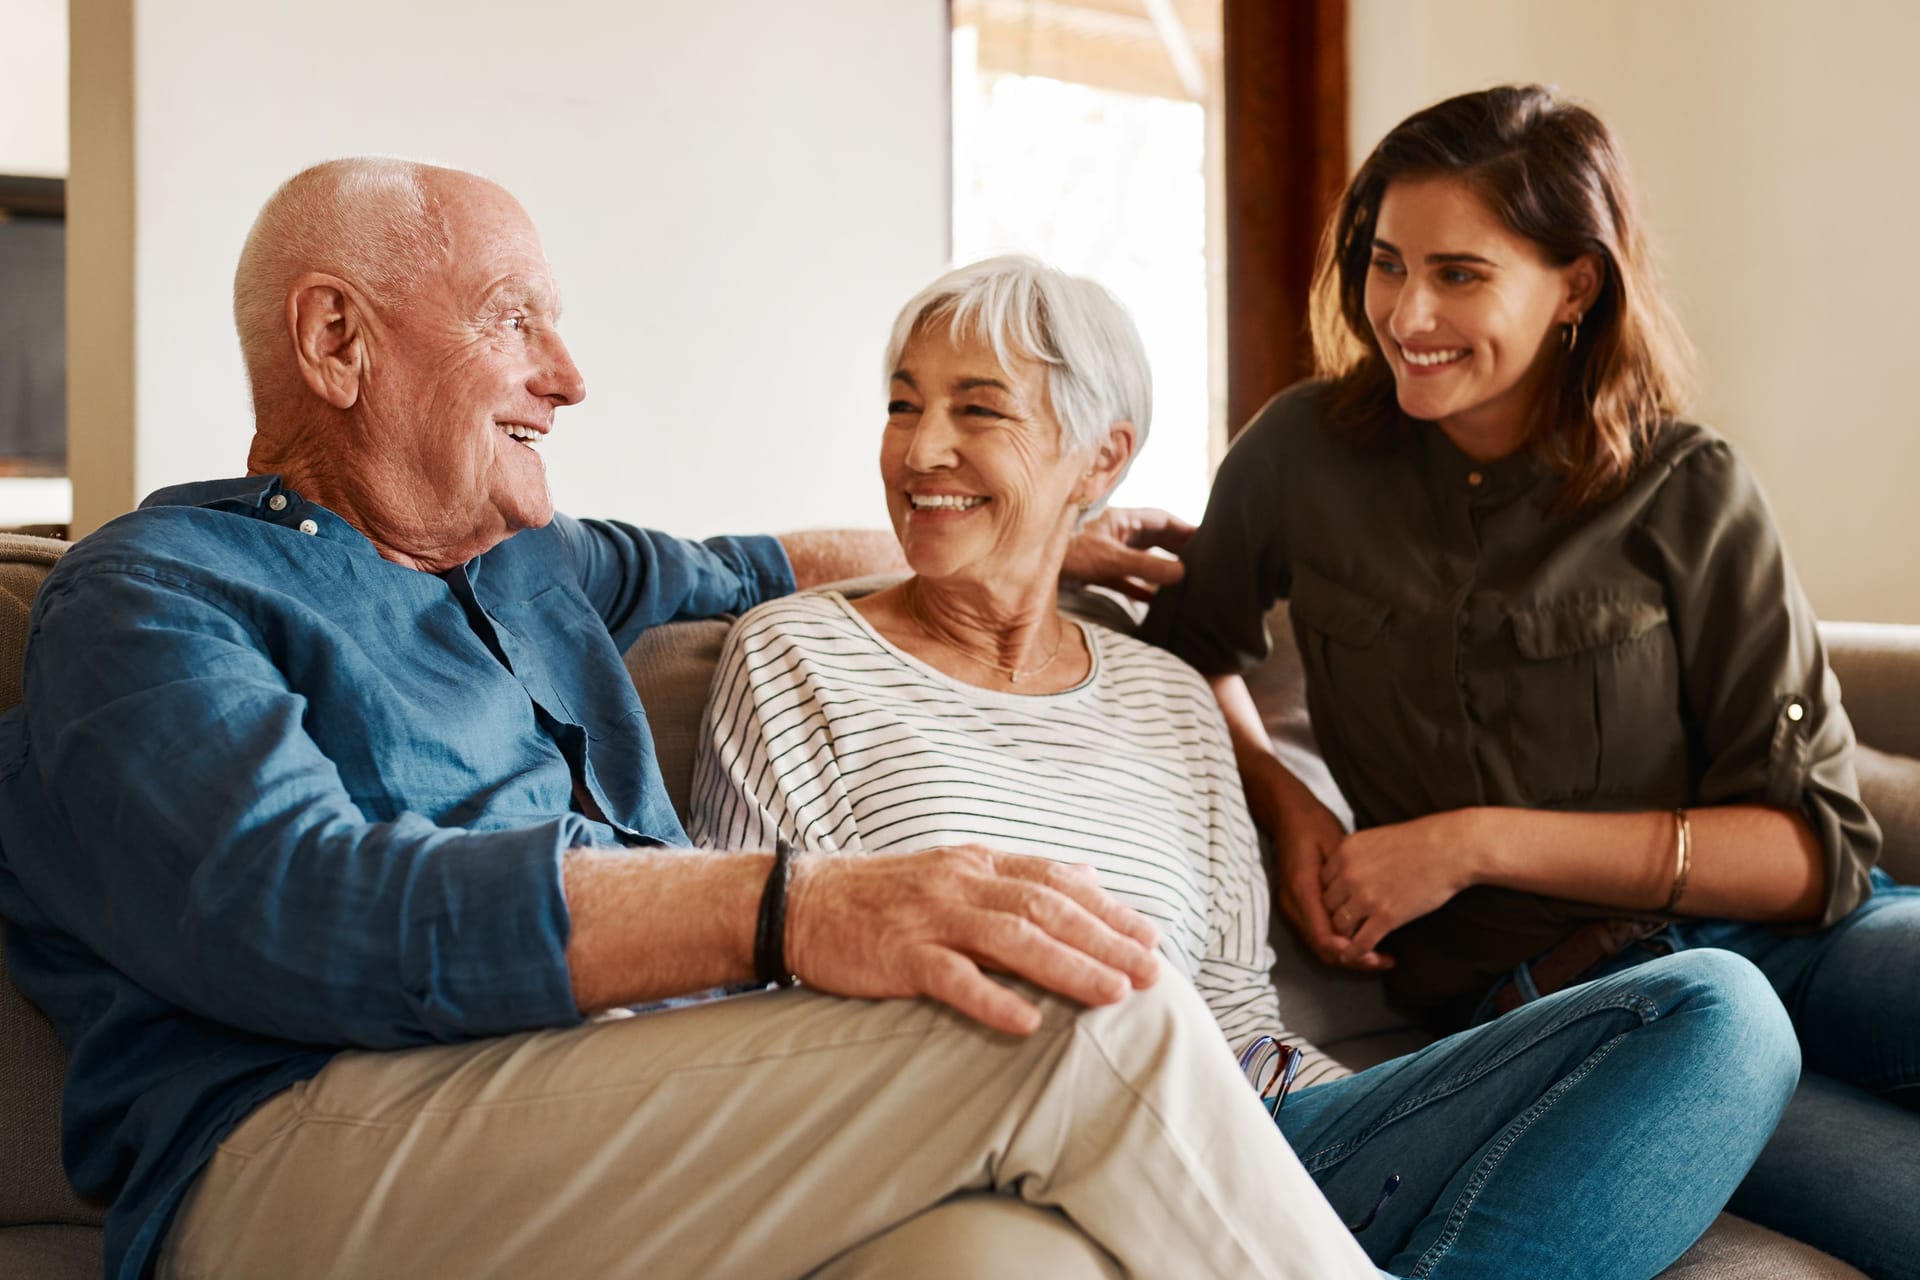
[[1345, 647], [1593, 703]]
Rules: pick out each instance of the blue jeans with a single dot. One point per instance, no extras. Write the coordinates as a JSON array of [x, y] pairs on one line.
[[1593, 1134], [1843, 1171]]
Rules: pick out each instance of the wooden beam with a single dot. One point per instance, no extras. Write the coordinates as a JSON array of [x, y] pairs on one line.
[[1285, 64]]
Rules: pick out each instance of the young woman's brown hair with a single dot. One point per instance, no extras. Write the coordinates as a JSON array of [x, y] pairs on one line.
[[1549, 169]]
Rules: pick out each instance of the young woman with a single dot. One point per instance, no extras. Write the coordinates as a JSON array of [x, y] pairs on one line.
[[1556, 657]]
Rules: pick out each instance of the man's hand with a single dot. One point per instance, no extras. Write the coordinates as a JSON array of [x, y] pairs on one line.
[[914, 924], [1379, 879], [1117, 550]]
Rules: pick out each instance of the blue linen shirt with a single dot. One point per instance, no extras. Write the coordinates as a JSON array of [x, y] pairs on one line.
[[270, 796]]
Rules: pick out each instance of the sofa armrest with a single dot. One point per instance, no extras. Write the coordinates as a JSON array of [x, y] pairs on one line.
[[1878, 665], [1879, 669]]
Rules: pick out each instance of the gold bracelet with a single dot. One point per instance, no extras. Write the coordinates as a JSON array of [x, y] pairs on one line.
[[1682, 859]]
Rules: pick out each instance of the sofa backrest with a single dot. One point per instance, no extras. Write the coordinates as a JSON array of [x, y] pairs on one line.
[[24, 563], [33, 1186]]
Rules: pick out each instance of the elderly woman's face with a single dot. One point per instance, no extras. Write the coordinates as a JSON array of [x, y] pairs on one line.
[[978, 485]]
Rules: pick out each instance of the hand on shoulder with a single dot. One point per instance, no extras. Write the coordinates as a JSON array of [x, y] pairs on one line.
[[1117, 549]]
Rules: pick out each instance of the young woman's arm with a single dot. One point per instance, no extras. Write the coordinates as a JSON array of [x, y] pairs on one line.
[[1746, 862]]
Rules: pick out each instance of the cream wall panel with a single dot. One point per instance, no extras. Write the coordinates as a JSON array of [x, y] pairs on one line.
[[735, 195], [33, 88], [1774, 145]]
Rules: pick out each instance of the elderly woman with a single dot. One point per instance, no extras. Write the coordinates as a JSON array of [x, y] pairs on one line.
[[961, 706], [1557, 656]]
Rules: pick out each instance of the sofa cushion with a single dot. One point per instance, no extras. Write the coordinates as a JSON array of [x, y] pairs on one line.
[[24, 563], [53, 1253], [1879, 669], [1735, 1249], [672, 667], [33, 1064], [33, 1067]]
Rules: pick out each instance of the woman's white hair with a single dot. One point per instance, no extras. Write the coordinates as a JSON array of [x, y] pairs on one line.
[[1096, 366], [369, 220]]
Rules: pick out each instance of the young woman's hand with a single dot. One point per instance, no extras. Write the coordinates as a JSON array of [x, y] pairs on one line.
[[1305, 834], [1379, 879]]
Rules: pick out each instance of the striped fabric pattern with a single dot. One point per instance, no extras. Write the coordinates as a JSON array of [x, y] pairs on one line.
[[819, 729]]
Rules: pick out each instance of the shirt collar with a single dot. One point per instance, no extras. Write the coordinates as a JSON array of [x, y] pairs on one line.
[[263, 498], [1457, 474]]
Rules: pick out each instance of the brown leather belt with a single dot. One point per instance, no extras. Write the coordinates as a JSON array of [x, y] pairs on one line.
[[1570, 960]]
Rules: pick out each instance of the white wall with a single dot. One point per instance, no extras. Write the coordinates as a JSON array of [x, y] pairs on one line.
[[735, 194], [1774, 143], [33, 88]]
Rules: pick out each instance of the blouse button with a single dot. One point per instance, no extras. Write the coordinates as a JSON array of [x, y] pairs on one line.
[[278, 502], [308, 526], [1796, 710], [1474, 478]]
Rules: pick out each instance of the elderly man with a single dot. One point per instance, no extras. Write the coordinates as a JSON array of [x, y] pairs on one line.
[[331, 815]]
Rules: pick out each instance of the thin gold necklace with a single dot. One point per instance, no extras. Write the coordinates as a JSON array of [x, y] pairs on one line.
[[1014, 675]]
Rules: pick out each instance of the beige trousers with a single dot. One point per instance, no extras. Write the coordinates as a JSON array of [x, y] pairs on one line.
[[768, 1136]]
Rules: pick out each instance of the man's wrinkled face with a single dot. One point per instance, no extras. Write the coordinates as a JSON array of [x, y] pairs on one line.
[[462, 384]]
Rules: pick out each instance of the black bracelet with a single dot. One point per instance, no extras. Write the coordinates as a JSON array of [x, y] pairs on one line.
[[770, 933]]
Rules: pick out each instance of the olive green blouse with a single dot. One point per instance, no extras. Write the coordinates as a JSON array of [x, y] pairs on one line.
[[1465, 644]]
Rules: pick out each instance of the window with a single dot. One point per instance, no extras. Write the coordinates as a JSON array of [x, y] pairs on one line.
[[1085, 133]]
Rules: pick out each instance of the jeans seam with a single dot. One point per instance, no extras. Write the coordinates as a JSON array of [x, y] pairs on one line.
[[1646, 1010], [1483, 1173]]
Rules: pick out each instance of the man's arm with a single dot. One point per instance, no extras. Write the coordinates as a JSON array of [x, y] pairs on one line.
[[820, 556], [646, 926], [207, 847], [639, 578], [1116, 549]]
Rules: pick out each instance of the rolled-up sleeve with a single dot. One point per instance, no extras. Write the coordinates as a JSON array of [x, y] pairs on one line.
[[216, 858], [1761, 700]]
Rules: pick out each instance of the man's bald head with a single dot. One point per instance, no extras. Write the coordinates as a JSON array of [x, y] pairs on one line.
[[400, 328], [377, 224]]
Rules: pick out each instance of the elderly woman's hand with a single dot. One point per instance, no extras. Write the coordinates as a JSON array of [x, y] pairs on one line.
[[1306, 835], [1380, 878], [925, 924], [1117, 549]]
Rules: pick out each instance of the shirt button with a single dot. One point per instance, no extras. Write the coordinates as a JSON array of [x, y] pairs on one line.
[[308, 526], [1474, 478], [278, 502], [1796, 710]]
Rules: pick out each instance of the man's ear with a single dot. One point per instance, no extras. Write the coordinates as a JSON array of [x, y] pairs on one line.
[[328, 323], [1109, 462]]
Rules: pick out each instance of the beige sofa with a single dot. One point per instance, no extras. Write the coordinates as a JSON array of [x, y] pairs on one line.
[[48, 1231]]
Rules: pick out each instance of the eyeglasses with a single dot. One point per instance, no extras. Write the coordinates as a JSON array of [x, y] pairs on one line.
[[1270, 1067]]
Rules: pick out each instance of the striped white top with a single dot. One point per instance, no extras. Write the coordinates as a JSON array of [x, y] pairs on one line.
[[819, 729]]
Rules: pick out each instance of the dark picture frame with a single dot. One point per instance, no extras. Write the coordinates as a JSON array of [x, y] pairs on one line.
[[33, 330]]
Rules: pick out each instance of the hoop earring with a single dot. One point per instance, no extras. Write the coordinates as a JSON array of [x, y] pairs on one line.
[[1570, 333]]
